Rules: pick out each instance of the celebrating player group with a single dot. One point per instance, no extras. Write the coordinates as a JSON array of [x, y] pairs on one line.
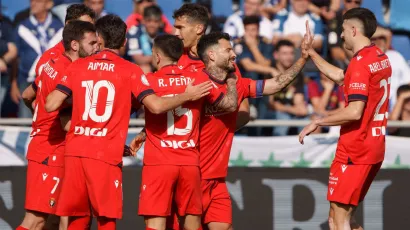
[[84, 92]]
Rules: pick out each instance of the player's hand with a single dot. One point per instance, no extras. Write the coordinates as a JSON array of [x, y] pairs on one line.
[[196, 92], [306, 131], [307, 42], [15, 92], [136, 143]]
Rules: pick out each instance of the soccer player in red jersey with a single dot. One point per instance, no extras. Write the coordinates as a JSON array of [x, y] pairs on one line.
[[45, 154], [361, 147], [74, 12], [171, 157], [102, 87]]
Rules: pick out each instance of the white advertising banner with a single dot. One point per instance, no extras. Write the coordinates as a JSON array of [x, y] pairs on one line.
[[317, 152]]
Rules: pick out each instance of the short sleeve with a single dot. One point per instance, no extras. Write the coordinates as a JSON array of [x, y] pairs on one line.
[[358, 85], [313, 89], [140, 85], [64, 84], [35, 83], [251, 88], [340, 96]]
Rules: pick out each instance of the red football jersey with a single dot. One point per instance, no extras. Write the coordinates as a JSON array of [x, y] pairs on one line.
[[172, 137], [101, 86], [48, 134], [217, 129], [55, 50], [190, 63], [367, 79]]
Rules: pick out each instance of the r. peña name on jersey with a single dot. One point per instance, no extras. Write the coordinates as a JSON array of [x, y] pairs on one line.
[[102, 66], [174, 81]]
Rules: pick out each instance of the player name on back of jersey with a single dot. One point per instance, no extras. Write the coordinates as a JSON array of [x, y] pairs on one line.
[[380, 65], [174, 81], [49, 70], [101, 66]]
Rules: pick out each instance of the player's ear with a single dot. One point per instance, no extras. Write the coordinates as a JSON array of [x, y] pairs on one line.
[[211, 55], [75, 46], [200, 29]]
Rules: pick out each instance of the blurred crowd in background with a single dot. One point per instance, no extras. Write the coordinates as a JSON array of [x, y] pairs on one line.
[[266, 35]]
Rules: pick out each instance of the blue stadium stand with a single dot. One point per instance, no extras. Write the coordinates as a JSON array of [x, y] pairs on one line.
[[169, 6], [400, 17], [401, 43]]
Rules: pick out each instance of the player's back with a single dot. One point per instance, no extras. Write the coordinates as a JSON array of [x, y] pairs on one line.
[[47, 132], [367, 79], [172, 137], [101, 86]]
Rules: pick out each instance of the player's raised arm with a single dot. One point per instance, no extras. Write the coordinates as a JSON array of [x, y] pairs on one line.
[[281, 81], [159, 105], [332, 72]]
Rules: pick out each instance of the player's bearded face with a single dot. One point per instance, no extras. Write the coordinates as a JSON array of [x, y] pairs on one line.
[[88, 45], [225, 56]]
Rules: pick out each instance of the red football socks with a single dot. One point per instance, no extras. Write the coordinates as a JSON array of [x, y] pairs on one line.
[[21, 228], [79, 223], [106, 223]]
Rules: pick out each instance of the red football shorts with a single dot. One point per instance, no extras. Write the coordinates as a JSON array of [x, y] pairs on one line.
[[90, 187], [216, 202], [43, 187], [162, 185], [348, 184]]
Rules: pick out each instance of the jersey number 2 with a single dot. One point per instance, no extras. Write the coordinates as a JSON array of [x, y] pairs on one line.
[[91, 99], [381, 130]]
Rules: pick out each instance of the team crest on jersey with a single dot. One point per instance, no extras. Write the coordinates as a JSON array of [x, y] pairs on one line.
[[144, 80], [181, 67], [52, 202], [64, 79]]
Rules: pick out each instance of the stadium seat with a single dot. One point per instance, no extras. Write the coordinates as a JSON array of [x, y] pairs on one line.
[[377, 8], [168, 7], [399, 17], [401, 43], [11, 8], [122, 8], [222, 8]]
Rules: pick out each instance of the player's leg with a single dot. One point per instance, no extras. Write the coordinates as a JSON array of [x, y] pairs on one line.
[[63, 223], [156, 195], [331, 218], [217, 205], [342, 215], [73, 200], [104, 186], [353, 224], [39, 186], [188, 197]]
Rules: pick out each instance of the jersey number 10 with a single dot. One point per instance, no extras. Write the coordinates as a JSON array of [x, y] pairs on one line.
[[91, 99]]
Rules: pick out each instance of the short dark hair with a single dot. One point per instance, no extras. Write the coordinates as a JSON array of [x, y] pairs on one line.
[[403, 89], [282, 43], [194, 12], [170, 45], [74, 31], [209, 40], [75, 11], [248, 20], [366, 17], [113, 31], [153, 12]]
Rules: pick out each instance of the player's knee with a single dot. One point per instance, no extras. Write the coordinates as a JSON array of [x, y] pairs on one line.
[[34, 220], [157, 223], [219, 226]]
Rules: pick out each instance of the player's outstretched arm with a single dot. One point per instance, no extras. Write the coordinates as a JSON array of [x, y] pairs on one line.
[[157, 105], [54, 100], [229, 102], [29, 95], [332, 72], [352, 112]]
